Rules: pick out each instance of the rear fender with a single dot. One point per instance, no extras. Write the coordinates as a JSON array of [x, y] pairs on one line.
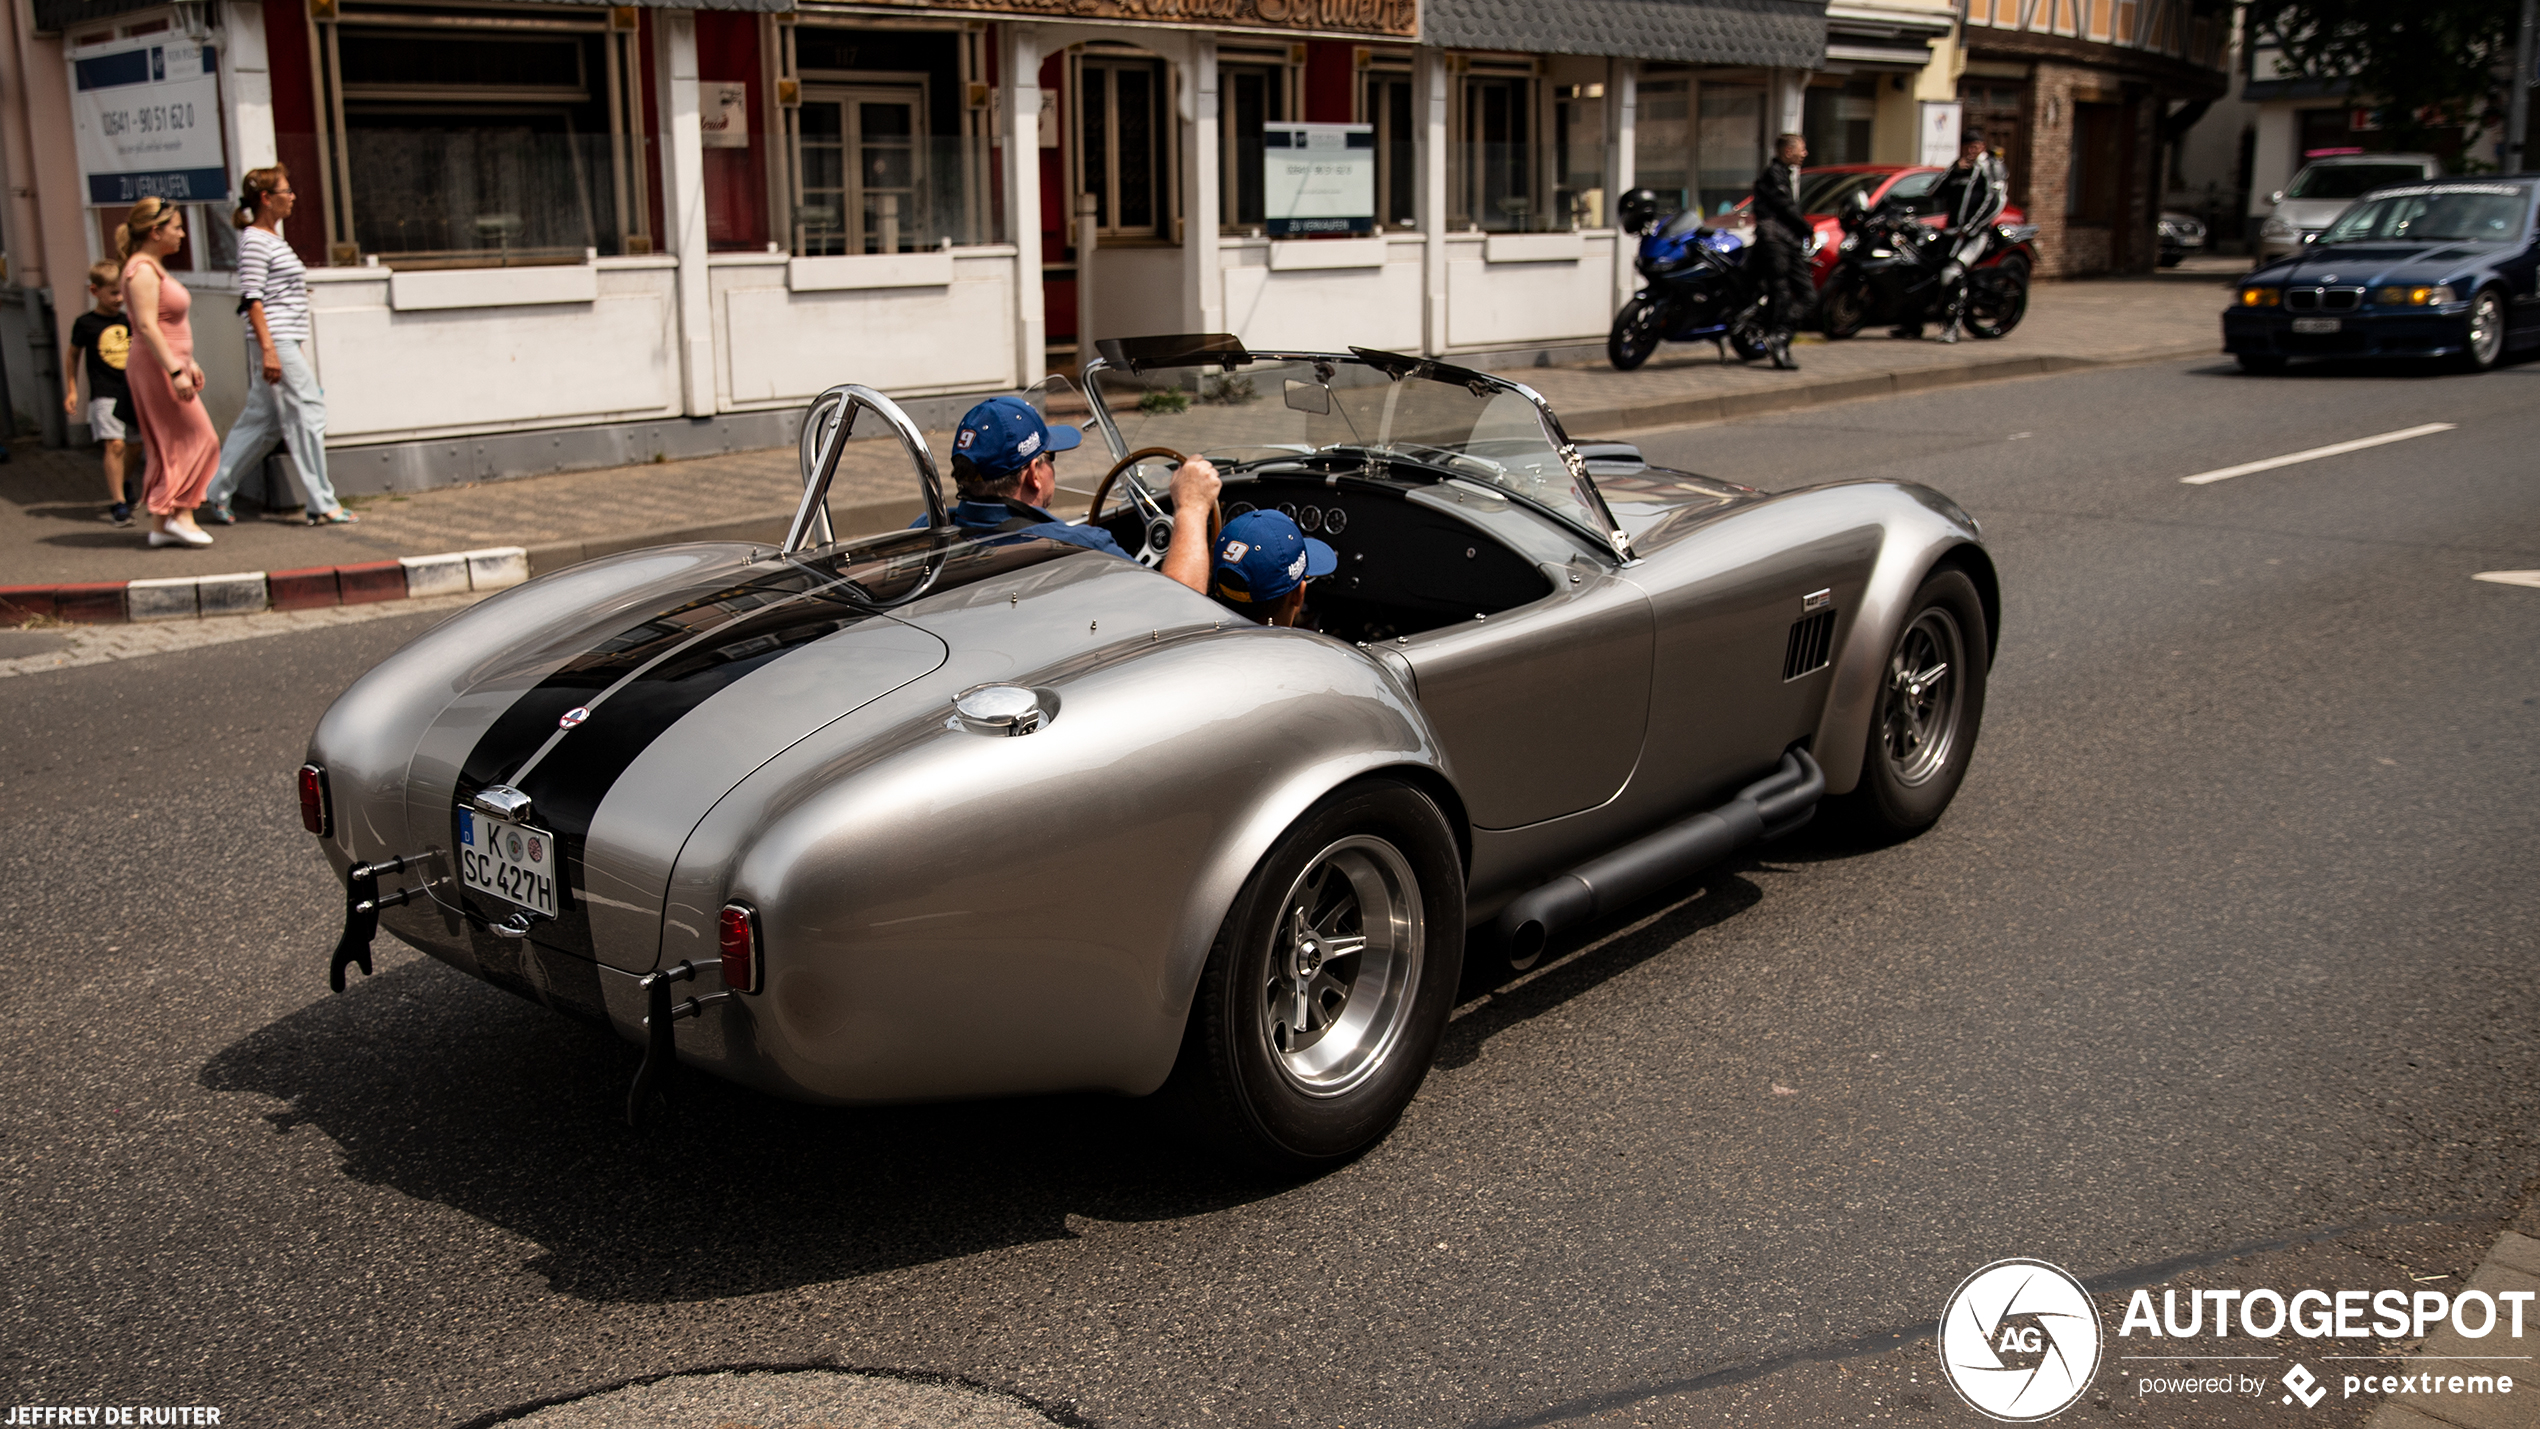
[[947, 914]]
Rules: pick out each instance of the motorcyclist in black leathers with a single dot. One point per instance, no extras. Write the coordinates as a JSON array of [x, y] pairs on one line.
[[1781, 244], [1973, 194]]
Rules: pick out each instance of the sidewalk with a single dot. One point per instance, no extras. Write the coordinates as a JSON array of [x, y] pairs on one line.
[[49, 500]]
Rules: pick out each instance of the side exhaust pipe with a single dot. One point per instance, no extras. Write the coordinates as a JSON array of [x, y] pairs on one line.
[[1766, 809]]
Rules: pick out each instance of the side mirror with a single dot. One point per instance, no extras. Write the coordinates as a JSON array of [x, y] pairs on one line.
[[1311, 397], [2309, 238], [2276, 197]]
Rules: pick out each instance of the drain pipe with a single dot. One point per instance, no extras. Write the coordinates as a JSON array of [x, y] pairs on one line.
[[1766, 809]]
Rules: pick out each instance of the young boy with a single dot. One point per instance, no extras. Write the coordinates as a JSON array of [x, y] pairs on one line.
[[106, 337]]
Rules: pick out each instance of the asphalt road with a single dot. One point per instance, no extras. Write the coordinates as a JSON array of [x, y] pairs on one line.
[[2220, 967]]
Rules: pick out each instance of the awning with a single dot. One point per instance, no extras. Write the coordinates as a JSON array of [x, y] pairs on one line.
[[52, 16], [1781, 34]]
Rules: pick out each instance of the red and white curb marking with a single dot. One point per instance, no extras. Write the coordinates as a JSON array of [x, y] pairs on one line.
[[246, 593]]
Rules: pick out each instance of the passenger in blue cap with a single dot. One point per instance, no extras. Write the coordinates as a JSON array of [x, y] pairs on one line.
[[1004, 462], [1263, 562]]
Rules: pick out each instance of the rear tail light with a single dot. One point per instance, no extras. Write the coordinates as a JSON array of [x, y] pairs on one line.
[[740, 947], [315, 816]]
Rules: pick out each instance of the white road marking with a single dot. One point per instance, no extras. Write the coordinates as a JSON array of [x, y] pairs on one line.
[[2207, 478], [2529, 578]]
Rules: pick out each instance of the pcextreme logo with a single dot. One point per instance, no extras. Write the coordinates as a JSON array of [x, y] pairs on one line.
[[2019, 1341]]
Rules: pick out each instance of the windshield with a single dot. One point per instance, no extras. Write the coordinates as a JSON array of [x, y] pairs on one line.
[[2351, 180], [2439, 217], [1275, 408]]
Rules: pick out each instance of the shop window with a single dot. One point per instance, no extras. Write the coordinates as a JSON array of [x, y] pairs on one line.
[[881, 147], [1249, 96], [1390, 112], [1837, 122], [1729, 145], [1578, 154], [1497, 190], [1662, 141], [1120, 107], [462, 142]]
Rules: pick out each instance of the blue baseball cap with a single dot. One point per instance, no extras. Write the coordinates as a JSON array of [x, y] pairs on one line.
[[1001, 436], [1261, 556]]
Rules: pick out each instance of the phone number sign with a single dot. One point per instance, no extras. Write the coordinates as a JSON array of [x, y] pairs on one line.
[[146, 114]]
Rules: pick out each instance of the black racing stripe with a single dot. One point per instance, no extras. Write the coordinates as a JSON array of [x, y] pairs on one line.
[[747, 625]]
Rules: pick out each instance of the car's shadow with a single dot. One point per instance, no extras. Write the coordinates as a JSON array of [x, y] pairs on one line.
[[443, 1089]]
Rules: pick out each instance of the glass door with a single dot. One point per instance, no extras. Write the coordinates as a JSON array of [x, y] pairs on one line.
[[860, 179]]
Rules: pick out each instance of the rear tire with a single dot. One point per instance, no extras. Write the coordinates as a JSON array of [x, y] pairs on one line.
[[1636, 333], [1320, 1008], [1923, 725]]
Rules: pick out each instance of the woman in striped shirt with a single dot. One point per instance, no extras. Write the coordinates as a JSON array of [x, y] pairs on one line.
[[283, 401]]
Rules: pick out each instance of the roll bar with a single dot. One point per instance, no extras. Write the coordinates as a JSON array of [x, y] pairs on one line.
[[826, 428]]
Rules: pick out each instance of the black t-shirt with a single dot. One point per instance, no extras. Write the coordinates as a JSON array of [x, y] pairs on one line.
[[107, 341]]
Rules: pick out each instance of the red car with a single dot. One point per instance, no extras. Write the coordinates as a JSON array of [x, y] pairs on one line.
[[1822, 192]]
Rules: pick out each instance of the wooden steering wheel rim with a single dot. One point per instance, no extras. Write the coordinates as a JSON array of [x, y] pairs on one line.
[[1216, 518]]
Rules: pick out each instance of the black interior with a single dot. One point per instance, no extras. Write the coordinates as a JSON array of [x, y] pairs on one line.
[[1404, 567]]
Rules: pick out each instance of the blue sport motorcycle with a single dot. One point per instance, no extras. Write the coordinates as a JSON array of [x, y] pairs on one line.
[[1695, 285]]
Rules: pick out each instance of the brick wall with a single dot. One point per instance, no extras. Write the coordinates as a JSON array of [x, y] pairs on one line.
[[2064, 249]]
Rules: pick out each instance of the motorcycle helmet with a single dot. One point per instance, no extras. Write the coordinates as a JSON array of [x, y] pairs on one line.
[[1637, 210]]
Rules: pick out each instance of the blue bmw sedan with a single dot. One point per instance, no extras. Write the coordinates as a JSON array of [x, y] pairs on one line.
[[2439, 270]]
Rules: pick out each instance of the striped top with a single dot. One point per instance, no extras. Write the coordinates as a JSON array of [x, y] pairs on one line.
[[270, 273]]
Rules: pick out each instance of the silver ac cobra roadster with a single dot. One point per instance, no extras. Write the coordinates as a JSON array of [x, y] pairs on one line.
[[919, 815]]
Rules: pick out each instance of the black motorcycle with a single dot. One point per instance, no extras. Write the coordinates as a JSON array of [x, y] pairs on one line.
[[1696, 285], [1888, 271]]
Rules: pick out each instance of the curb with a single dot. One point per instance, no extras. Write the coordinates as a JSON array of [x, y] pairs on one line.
[[2447, 1358], [498, 567], [490, 569], [248, 592]]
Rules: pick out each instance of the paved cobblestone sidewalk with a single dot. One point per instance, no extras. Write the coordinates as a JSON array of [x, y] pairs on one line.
[[50, 529]]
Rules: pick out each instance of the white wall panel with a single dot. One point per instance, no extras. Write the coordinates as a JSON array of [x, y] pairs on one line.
[[391, 373], [785, 346], [1324, 310], [1495, 304]]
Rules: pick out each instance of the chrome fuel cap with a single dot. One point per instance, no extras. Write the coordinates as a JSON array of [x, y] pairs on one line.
[[1001, 710]]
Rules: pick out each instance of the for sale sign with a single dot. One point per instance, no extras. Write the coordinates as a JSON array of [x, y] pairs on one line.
[[1318, 178], [146, 113]]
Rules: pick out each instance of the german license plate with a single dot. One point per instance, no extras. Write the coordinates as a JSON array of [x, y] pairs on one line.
[[511, 861], [2311, 327]]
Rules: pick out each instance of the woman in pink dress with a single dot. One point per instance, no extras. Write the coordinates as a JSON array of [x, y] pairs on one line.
[[167, 387]]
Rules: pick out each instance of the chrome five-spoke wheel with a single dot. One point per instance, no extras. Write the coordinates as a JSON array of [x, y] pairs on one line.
[[1342, 966]]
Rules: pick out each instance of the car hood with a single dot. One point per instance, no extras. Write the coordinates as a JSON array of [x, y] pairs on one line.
[[2364, 264]]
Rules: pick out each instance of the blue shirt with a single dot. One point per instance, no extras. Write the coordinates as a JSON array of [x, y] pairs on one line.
[[982, 518]]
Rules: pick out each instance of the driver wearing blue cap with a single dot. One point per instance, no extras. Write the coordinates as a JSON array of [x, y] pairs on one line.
[[1263, 562], [1004, 463]]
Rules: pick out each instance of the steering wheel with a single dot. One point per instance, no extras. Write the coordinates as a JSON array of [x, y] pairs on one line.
[[1158, 536]]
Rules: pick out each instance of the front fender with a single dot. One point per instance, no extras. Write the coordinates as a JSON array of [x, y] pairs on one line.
[[1918, 537], [947, 914]]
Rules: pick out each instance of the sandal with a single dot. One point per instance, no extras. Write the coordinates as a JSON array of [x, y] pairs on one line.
[[337, 517]]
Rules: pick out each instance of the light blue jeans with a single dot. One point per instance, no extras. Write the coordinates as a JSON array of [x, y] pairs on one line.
[[292, 412]]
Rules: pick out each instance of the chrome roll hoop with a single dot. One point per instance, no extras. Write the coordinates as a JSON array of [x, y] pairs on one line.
[[826, 428]]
